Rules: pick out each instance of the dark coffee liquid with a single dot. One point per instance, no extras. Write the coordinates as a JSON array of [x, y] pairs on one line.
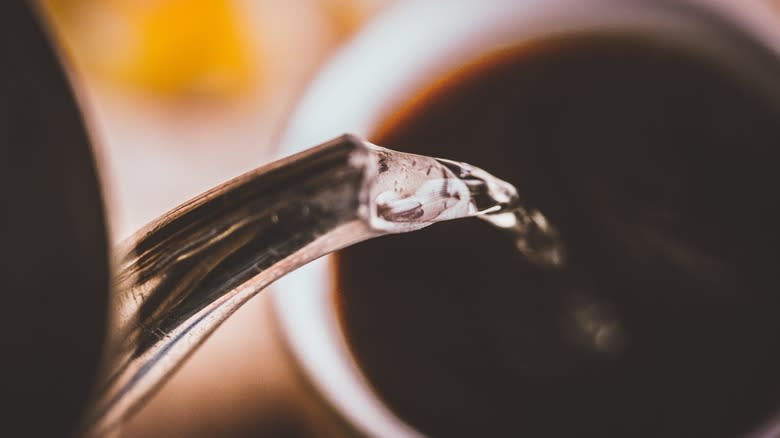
[[656, 163]]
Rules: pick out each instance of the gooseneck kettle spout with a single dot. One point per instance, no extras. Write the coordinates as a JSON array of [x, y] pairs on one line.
[[184, 274]]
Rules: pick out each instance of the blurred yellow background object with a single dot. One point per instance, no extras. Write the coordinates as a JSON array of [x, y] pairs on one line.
[[195, 48], [167, 47]]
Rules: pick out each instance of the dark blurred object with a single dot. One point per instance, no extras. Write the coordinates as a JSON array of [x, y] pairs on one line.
[[53, 258], [655, 158]]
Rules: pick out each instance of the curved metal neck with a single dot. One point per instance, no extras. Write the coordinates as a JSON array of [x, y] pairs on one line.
[[187, 272]]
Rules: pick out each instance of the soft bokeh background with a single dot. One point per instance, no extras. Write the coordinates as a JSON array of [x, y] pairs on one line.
[[181, 95]]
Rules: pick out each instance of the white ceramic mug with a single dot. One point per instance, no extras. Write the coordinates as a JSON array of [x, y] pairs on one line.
[[391, 61]]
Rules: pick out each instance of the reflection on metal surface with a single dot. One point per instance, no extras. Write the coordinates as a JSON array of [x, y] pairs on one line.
[[186, 273]]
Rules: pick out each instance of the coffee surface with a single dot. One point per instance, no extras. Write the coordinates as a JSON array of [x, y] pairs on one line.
[[656, 164]]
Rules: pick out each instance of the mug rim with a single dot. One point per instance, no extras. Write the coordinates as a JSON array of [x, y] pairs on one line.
[[456, 35]]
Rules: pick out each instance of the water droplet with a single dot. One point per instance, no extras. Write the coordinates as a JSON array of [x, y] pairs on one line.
[[409, 192]]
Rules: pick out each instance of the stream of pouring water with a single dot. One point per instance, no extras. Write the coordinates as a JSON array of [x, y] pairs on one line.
[[410, 192], [183, 275]]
